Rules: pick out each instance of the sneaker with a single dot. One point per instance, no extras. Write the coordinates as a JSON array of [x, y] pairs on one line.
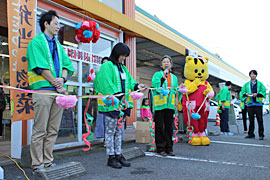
[[50, 165], [261, 138], [170, 154], [250, 137], [229, 133], [162, 153], [222, 133], [38, 168], [245, 132]]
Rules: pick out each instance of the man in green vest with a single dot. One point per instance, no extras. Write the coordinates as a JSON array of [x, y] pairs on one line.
[[223, 98], [48, 68], [254, 91]]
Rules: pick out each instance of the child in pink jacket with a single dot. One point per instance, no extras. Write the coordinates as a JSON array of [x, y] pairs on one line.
[[146, 113]]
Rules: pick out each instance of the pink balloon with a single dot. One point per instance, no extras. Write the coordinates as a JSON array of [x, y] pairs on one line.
[[66, 101], [136, 95]]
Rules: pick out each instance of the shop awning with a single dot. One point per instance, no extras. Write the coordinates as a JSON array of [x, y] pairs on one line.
[[105, 14]]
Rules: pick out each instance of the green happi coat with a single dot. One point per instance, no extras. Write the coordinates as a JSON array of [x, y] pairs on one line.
[[224, 95], [243, 100], [108, 81], [161, 102], [260, 90], [39, 56]]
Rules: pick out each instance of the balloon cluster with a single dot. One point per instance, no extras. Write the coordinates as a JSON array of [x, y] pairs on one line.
[[87, 31]]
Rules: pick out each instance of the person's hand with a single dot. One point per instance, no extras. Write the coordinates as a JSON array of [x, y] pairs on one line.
[[255, 94], [182, 85], [166, 71], [246, 94], [142, 87], [58, 82], [223, 107], [61, 90]]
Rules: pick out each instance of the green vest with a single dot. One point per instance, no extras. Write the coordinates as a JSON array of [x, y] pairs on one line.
[[224, 95], [247, 89], [161, 102], [39, 56], [108, 81]]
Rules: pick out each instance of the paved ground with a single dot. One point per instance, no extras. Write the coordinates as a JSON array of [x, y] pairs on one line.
[[227, 157]]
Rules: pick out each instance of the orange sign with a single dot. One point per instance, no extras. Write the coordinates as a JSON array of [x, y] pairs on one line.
[[21, 30]]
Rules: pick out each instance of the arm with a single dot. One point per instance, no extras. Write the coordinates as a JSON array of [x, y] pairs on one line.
[[192, 86], [59, 82], [156, 80], [208, 89], [261, 91], [47, 75]]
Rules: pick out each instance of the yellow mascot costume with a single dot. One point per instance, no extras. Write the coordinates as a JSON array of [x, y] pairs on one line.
[[195, 101]]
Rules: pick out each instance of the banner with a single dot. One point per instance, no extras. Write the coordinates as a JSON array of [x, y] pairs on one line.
[[21, 30]]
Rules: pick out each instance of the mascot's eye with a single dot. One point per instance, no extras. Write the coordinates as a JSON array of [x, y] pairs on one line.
[[196, 70], [203, 71]]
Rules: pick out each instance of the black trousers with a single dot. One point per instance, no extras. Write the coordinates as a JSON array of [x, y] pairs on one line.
[[164, 130], [1, 124], [244, 117], [258, 111], [224, 120]]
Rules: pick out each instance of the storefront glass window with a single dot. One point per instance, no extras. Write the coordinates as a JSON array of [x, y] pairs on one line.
[[103, 47], [92, 110], [85, 71], [74, 77]]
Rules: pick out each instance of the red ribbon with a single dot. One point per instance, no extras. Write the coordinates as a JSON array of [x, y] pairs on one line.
[[84, 136]]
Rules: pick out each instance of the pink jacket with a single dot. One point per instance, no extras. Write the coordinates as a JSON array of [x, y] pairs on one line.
[[145, 112]]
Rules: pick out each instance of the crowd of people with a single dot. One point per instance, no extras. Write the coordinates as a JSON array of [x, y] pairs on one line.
[[49, 66]]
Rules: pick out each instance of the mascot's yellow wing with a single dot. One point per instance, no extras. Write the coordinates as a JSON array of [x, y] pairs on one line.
[[208, 89]]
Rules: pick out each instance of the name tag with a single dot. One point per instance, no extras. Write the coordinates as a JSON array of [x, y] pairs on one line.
[[123, 76]]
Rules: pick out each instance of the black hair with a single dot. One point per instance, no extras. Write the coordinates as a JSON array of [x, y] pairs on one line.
[[253, 71], [118, 50], [228, 83], [143, 101], [104, 58], [47, 16]]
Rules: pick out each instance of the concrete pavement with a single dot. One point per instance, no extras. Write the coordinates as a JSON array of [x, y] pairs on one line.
[[227, 157]]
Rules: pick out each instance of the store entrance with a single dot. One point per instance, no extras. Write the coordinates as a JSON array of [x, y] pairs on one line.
[[5, 132]]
